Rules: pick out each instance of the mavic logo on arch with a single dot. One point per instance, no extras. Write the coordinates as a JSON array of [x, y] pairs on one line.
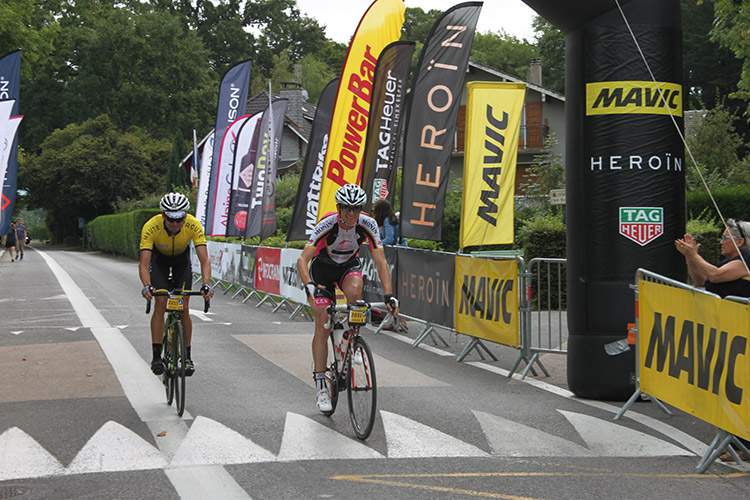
[[651, 98]]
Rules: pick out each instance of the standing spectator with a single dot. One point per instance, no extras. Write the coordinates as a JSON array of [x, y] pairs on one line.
[[388, 223], [9, 241], [20, 238]]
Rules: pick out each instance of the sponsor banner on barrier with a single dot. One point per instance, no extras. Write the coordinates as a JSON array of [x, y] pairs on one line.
[[247, 269], [487, 299], [267, 270], [694, 354], [372, 290], [291, 284], [215, 251], [231, 260], [426, 285]]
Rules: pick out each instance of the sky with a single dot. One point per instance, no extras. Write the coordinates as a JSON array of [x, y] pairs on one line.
[[341, 17]]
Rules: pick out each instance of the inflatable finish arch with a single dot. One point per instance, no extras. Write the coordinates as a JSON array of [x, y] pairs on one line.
[[625, 173]]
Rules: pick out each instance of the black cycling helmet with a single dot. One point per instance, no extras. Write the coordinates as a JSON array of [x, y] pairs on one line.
[[174, 205], [351, 195]]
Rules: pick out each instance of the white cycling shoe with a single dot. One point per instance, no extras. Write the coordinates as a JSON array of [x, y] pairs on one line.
[[323, 401], [358, 357]]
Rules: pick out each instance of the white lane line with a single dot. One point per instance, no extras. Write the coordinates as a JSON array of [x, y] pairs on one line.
[[144, 391]]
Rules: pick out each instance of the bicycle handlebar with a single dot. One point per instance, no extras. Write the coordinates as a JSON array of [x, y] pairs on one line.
[[166, 293]]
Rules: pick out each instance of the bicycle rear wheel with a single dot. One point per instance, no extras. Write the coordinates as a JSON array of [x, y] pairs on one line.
[[167, 376], [179, 352], [362, 389]]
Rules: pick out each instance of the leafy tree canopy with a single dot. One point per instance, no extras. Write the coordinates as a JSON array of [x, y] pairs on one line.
[[82, 170]]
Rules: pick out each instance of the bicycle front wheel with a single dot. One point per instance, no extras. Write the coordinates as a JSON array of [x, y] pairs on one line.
[[332, 376], [180, 356], [167, 376], [362, 388]]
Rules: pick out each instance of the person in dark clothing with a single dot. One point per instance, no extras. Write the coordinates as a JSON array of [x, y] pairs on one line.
[[730, 277]]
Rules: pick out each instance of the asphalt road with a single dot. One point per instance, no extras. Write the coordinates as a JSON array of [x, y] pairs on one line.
[[81, 416]]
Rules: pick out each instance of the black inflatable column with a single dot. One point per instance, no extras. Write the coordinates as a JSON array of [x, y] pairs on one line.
[[625, 181]]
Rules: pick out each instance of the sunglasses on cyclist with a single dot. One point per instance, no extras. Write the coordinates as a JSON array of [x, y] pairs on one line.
[[350, 209], [179, 219]]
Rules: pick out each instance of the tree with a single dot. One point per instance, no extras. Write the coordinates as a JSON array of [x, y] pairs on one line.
[[176, 175], [138, 66], [550, 46], [730, 27], [714, 144], [547, 172], [504, 52], [82, 170]]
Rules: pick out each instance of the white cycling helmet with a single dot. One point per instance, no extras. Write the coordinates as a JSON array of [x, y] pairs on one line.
[[174, 205], [351, 195]]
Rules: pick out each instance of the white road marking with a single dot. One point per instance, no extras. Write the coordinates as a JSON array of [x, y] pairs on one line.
[[17, 332], [116, 448], [305, 439], [409, 439], [508, 438], [200, 315], [144, 391], [607, 439], [23, 457], [210, 443]]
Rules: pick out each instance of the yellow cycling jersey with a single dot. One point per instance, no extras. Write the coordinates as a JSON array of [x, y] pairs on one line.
[[154, 236]]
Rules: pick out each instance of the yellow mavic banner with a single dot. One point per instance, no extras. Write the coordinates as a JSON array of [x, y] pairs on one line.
[[694, 354], [380, 26], [487, 299], [493, 119], [637, 97]]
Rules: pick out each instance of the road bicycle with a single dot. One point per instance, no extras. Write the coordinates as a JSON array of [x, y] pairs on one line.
[[174, 350], [352, 367]]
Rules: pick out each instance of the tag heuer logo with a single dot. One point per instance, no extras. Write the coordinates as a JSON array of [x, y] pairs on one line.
[[641, 224], [379, 189]]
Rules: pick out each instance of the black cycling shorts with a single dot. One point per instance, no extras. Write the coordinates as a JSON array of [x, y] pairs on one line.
[[179, 266], [331, 275]]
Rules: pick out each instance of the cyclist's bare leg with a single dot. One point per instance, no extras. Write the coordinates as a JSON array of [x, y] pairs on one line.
[[320, 339], [352, 287], [157, 319]]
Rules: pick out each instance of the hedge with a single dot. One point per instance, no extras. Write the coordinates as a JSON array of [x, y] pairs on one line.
[[119, 233]]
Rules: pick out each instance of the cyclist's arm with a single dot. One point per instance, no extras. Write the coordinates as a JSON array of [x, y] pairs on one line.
[[378, 255], [143, 269], [202, 253], [303, 264]]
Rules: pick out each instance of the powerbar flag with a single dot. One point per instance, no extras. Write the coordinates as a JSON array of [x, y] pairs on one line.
[[245, 154], [263, 168], [231, 105], [380, 26], [435, 100], [386, 118], [224, 171], [305, 213], [10, 83], [493, 121]]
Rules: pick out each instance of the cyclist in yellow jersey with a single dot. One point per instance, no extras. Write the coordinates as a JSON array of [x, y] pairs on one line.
[[165, 242]]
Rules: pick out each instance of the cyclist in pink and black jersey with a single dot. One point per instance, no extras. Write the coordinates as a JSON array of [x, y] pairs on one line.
[[329, 260]]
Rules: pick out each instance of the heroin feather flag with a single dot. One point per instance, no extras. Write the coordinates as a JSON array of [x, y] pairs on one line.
[[231, 105], [493, 120], [380, 26], [10, 82], [306, 204], [433, 111]]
